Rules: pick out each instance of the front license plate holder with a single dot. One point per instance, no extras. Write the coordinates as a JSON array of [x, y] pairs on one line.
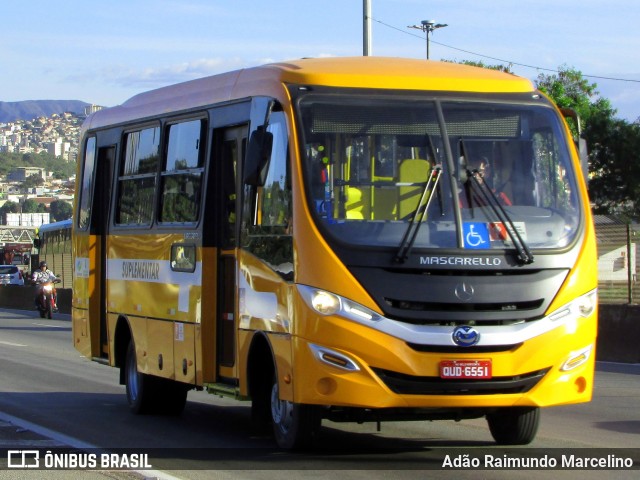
[[466, 369]]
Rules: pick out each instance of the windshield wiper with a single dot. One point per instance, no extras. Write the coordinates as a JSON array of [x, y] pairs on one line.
[[523, 252], [419, 215]]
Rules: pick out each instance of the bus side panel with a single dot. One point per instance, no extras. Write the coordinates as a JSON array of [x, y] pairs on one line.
[[159, 353], [161, 302], [184, 335], [85, 306]]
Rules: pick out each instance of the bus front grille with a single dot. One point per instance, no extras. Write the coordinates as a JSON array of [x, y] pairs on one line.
[[413, 385]]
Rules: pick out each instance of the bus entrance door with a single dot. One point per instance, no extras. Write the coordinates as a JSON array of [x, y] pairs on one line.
[[233, 142], [106, 159]]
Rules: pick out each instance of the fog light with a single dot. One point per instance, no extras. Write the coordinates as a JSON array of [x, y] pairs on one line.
[[333, 358]]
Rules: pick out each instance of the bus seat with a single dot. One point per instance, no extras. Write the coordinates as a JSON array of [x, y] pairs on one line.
[[354, 205], [412, 170]]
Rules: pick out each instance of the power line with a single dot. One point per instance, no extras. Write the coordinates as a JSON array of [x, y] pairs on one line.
[[500, 59]]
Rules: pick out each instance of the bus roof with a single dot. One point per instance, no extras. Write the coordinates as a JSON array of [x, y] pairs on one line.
[[50, 227], [349, 72]]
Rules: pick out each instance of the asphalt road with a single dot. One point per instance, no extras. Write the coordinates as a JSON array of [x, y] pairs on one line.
[[50, 397]]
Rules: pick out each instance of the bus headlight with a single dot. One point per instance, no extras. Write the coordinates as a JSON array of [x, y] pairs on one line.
[[587, 303], [582, 306], [327, 303]]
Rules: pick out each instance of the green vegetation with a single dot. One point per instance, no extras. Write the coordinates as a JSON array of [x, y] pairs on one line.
[[61, 168]]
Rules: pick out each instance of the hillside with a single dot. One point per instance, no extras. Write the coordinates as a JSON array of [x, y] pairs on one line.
[[30, 109]]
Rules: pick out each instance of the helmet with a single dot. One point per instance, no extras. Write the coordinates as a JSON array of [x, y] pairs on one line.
[[43, 264]]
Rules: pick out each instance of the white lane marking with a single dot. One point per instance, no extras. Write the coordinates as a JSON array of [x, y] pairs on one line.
[[13, 344], [51, 326]]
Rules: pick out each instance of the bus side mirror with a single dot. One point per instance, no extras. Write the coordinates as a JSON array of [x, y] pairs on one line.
[[584, 157], [581, 143], [258, 156], [36, 242]]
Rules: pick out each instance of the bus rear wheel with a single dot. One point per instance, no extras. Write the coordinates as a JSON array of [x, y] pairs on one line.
[[149, 394], [295, 426], [141, 390], [514, 426]]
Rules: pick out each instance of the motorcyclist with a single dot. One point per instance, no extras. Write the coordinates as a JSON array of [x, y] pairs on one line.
[[39, 278]]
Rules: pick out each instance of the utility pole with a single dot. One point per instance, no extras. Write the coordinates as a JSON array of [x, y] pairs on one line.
[[366, 28], [428, 26]]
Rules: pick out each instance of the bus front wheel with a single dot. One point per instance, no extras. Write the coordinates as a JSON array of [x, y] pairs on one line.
[[295, 425], [514, 426]]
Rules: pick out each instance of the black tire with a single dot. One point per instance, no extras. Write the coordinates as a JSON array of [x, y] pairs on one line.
[[141, 388], [173, 395], [295, 426], [49, 310], [514, 426], [261, 404]]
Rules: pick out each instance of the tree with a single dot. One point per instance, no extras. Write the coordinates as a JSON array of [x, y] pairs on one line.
[[60, 210], [481, 64], [8, 207], [31, 206], [615, 165], [569, 89], [34, 180]]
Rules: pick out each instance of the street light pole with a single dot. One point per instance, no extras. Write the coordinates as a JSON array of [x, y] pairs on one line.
[[428, 26], [366, 28]]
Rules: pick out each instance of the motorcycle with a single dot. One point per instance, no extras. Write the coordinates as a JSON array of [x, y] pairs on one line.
[[45, 298]]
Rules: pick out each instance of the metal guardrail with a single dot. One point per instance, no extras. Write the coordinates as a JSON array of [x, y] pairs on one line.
[[618, 247]]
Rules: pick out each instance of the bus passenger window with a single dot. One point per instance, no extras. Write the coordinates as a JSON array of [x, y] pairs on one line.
[[137, 180], [181, 178], [87, 183]]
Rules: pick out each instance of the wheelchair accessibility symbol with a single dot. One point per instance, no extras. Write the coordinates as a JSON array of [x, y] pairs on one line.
[[476, 235]]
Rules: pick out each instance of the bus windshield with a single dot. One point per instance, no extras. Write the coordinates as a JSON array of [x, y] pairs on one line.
[[470, 174]]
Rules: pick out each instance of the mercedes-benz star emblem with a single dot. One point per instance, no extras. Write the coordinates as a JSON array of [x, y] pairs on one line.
[[464, 291]]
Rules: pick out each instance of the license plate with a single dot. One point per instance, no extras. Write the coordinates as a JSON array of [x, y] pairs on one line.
[[465, 369]]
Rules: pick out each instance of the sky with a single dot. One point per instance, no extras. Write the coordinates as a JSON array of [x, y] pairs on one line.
[[105, 51]]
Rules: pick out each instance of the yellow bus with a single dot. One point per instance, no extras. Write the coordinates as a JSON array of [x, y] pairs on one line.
[[54, 247], [342, 239]]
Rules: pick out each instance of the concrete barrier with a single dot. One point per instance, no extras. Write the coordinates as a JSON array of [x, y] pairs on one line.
[[618, 326], [22, 298], [618, 333]]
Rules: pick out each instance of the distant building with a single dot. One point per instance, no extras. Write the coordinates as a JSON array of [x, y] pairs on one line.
[[89, 109], [26, 219], [59, 148], [20, 174]]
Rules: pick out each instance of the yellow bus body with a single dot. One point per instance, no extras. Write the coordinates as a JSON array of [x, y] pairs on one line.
[[126, 279]]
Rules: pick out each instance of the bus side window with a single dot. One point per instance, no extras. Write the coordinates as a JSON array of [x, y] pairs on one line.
[[137, 180], [182, 173], [87, 183]]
